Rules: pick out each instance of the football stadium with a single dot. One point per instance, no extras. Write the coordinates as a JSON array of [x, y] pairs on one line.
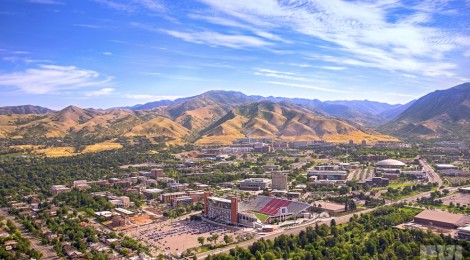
[[262, 210]]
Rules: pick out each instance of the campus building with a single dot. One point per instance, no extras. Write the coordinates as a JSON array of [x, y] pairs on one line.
[[441, 219], [279, 180], [327, 175], [255, 184], [221, 210]]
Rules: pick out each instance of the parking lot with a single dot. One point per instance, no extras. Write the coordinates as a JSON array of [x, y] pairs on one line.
[[177, 236]]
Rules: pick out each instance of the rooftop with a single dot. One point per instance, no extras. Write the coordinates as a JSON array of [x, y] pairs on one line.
[[327, 172], [153, 190], [390, 162], [445, 166], [441, 216], [257, 180], [466, 228], [124, 211], [220, 199]]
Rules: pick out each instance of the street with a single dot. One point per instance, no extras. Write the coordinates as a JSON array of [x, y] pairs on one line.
[[48, 252], [432, 175]]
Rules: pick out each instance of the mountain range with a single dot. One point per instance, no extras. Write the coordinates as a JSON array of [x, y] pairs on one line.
[[364, 113], [442, 114], [219, 117]]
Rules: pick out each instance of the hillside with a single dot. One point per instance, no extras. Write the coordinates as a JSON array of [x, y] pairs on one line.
[[78, 122], [197, 111], [26, 109], [281, 120], [442, 114], [214, 117]]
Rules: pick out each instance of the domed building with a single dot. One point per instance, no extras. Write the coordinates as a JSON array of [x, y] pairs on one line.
[[390, 163], [389, 168]]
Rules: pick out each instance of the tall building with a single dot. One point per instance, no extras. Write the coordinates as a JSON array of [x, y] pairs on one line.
[[222, 210], [279, 180], [156, 173]]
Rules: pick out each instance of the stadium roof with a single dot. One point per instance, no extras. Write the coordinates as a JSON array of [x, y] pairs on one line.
[[390, 162]]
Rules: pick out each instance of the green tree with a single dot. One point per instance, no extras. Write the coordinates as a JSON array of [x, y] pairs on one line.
[[228, 239], [201, 240]]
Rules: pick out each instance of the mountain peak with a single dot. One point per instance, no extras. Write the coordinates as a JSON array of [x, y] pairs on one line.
[[74, 114], [225, 92], [437, 115], [72, 108]]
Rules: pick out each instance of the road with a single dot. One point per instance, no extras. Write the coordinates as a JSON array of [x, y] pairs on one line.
[[297, 229], [47, 251], [432, 175]]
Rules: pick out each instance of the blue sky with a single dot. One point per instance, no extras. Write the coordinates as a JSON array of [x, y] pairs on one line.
[[108, 53]]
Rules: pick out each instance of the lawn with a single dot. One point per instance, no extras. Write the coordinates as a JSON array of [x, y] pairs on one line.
[[260, 216], [400, 184], [415, 211], [395, 185], [404, 196]]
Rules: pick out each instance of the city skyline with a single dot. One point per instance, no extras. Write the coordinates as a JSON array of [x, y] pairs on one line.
[[107, 53]]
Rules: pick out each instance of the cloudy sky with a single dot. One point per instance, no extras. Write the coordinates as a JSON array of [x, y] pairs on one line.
[[108, 53]]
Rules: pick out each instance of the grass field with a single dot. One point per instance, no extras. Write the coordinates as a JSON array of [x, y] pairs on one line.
[[57, 151], [70, 151], [260, 216], [108, 145], [26, 147], [395, 185]]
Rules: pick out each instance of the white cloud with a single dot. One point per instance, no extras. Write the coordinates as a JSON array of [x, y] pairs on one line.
[[466, 54], [292, 76], [107, 53], [300, 65], [306, 86], [151, 5], [401, 95], [280, 75], [332, 68], [23, 59], [53, 79], [101, 92], [20, 52], [232, 23], [379, 34], [133, 6], [410, 76], [218, 39]]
